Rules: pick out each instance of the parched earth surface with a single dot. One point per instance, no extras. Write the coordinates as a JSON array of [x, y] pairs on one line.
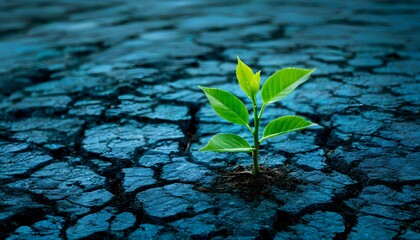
[[101, 119]]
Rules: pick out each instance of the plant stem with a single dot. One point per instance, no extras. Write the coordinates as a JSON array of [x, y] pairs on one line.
[[261, 111], [256, 141], [250, 129]]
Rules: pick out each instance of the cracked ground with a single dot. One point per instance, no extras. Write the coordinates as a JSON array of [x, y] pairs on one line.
[[101, 119]]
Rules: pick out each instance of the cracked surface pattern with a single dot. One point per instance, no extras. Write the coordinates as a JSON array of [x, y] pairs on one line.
[[101, 119]]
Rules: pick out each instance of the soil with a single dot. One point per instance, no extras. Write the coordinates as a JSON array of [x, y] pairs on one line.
[[243, 182]]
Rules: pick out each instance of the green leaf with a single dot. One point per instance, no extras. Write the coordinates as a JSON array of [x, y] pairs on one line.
[[284, 125], [283, 82], [248, 81], [226, 142], [227, 105], [255, 83]]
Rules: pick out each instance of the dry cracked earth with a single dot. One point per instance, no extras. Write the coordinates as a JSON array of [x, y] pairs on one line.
[[101, 119]]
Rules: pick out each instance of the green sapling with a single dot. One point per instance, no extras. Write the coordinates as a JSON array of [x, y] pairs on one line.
[[232, 109]]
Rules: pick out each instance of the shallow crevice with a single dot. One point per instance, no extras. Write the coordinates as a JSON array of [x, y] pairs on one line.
[[190, 128], [23, 78], [25, 217]]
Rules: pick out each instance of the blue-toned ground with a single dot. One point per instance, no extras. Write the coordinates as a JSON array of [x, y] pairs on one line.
[[101, 119]]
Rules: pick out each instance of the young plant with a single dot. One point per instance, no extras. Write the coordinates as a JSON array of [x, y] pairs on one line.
[[232, 109]]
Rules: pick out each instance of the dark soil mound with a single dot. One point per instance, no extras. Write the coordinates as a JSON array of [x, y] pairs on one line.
[[242, 181]]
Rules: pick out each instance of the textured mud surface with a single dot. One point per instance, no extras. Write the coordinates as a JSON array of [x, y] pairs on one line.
[[101, 119]]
